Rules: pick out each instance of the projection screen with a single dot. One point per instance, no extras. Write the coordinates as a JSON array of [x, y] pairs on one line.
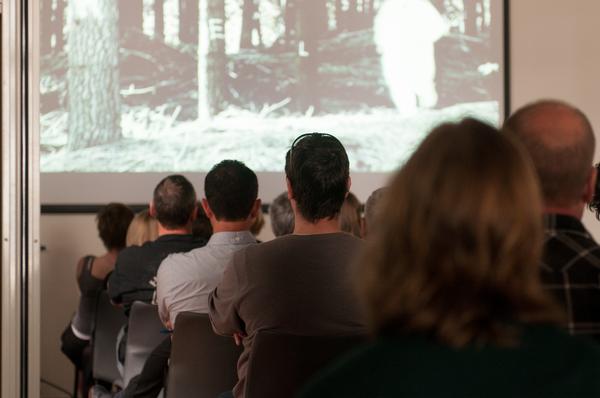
[[133, 90]]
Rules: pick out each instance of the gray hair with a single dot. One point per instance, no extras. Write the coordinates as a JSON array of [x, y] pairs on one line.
[[372, 206], [282, 215]]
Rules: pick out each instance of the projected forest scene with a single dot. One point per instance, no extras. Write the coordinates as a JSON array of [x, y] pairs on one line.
[[178, 85]]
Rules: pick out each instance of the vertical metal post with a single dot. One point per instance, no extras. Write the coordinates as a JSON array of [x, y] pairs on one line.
[[20, 199]]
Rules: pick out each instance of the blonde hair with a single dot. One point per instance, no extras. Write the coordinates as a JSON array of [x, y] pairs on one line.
[[457, 254], [143, 228]]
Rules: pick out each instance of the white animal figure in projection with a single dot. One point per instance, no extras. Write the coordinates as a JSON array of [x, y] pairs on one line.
[[405, 32]]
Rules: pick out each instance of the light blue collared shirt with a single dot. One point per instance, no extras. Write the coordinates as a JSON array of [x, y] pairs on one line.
[[184, 280]]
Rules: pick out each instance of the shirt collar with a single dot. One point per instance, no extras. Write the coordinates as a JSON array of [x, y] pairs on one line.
[[231, 238], [563, 222]]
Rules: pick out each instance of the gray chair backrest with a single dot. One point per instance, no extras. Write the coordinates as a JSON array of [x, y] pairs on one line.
[[108, 322], [203, 364], [280, 363], [144, 334]]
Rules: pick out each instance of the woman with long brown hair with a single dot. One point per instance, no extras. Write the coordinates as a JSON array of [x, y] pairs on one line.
[[450, 282]]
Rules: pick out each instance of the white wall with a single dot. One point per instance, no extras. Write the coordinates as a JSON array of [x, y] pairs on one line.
[[555, 53]]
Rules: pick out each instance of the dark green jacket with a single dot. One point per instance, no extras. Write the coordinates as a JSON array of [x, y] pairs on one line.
[[546, 363]]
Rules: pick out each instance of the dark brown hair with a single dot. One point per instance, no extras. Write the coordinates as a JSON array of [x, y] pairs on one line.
[[112, 221], [350, 215], [457, 254]]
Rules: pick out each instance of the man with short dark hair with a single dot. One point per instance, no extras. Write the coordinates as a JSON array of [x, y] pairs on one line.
[[561, 142], [184, 280], [300, 283], [174, 206]]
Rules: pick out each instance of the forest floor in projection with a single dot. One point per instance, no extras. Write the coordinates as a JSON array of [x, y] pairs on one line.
[[376, 139]]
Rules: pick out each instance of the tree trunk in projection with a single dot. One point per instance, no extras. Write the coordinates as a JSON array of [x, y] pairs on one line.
[[131, 15], [471, 16], [93, 75], [46, 26], [159, 20], [188, 21], [496, 28], [250, 24], [311, 26], [290, 18], [212, 60], [58, 24]]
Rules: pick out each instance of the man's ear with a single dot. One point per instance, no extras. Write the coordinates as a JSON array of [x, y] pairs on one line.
[[348, 185], [290, 193], [194, 212], [256, 207], [590, 186], [207, 209], [152, 210]]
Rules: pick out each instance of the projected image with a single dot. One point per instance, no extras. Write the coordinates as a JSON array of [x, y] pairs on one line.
[[178, 85]]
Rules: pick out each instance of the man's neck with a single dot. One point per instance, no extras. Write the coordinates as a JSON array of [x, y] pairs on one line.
[[177, 231], [322, 226], [573, 211], [230, 226]]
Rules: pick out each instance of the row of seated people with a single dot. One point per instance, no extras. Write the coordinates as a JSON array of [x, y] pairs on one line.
[[465, 287]]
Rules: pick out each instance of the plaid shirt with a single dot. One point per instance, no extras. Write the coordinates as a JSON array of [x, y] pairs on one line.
[[571, 271]]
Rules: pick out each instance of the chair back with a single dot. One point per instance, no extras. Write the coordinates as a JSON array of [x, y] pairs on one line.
[[108, 322], [280, 363], [144, 335], [203, 364]]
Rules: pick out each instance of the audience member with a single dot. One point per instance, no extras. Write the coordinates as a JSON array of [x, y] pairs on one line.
[[184, 280], [299, 283], [201, 227], [112, 222], [372, 208], [350, 215], [174, 207], [281, 215], [561, 143], [143, 228], [595, 203], [257, 224], [450, 280]]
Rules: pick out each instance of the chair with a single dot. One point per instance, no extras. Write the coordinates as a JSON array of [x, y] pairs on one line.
[[108, 322], [203, 364], [280, 364], [144, 334]]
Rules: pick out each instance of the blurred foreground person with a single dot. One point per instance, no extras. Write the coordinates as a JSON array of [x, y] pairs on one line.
[[450, 280], [560, 140], [112, 222]]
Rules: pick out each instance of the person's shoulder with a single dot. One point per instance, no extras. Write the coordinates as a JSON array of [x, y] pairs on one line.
[[182, 258]]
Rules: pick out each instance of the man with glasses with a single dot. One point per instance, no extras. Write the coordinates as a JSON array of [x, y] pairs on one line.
[[299, 283]]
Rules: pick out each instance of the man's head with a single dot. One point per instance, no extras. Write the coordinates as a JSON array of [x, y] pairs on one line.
[[282, 215], [372, 207], [174, 202], [231, 189], [112, 221], [317, 170], [561, 142]]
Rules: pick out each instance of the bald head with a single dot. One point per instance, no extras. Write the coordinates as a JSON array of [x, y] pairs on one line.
[[560, 140]]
